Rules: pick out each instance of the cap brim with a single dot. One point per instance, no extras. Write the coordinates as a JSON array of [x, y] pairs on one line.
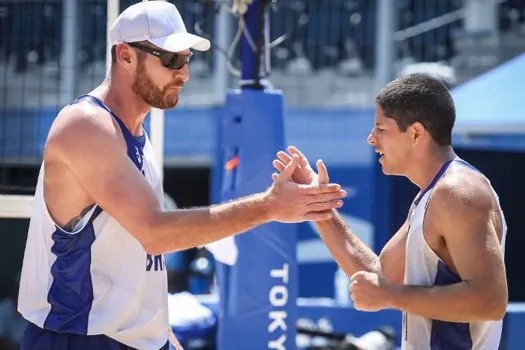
[[178, 42]]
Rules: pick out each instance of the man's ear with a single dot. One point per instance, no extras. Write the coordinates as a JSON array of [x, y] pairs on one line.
[[417, 132], [125, 54]]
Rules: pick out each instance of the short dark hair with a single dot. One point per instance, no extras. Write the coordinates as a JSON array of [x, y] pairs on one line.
[[420, 98]]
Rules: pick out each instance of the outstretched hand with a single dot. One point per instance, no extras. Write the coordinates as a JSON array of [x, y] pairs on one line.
[[303, 172], [296, 202]]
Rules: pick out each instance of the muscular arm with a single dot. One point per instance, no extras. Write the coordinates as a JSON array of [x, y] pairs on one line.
[[465, 216], [102, 167], [353, 255]]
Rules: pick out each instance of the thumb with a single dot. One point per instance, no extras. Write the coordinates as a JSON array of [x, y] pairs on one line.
[[322, 172], [290, 168], [356, 276]]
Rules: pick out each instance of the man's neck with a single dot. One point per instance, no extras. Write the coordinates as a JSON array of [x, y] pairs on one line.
[[428, 165], [124, 103]]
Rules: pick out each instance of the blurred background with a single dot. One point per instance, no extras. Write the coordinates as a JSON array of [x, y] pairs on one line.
[[329, 57]]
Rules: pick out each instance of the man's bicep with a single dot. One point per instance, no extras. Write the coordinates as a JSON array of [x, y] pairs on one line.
[[392, 257], [470, 236], [473, 246], [100, 164]]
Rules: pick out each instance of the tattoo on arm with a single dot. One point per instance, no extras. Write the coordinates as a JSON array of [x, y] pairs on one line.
[[73, 222]]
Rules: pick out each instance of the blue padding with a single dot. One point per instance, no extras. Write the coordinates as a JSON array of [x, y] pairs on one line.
[[258, 293]]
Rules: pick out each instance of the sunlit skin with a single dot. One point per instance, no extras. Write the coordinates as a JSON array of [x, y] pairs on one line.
[[157, 85], [142, 84], [411, 153]]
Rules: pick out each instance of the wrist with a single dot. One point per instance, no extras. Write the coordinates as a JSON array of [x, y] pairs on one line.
[[395, 296], [264, 205]]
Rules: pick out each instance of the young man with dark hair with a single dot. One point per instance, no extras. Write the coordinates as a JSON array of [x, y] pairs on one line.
[[444, 267]]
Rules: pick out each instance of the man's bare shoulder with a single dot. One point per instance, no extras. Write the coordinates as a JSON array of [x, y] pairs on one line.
[[79, 116], [463, 193], [80, 123]]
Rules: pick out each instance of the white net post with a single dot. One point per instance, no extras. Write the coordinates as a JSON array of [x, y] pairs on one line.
[[15, 206], [157, 137], [113, 11], [69, 51]]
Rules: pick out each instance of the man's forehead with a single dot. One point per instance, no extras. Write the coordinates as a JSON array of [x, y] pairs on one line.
[[382, 120], [379, 118]]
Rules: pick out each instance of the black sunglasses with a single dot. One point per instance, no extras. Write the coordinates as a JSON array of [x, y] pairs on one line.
[[169, 60]]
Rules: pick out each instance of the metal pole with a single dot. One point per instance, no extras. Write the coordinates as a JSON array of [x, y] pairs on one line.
[[157, 137], [385, 45], [68, 62], [385, 56], [113, 11], [222, 38], [481, 15], [156, 130], [254, 46]]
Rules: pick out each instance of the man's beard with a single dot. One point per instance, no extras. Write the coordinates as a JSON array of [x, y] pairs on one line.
[[151, 94]]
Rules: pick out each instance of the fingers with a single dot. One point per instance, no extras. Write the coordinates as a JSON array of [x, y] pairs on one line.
[[303, 161], [327, 197], [290, 168], [295, 150], [322, 172], [352, 286], [319, 215], [322, 206], [322, 188], [356, 277], [284, 157], [278, 165]]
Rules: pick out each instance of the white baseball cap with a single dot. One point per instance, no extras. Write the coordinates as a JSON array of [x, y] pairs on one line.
[[158, 22]]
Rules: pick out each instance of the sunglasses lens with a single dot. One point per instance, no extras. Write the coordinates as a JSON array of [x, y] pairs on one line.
[[174, 61]]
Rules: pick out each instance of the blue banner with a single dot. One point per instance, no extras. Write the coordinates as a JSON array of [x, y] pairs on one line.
[[258, 293]]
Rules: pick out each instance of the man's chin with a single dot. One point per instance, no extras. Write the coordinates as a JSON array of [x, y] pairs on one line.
[[391, 172], [172, 102], [167, 104], [386, 170]]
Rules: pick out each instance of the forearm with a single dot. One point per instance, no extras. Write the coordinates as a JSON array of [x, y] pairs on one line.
[[187, 228], [460, 302], [348, 250]]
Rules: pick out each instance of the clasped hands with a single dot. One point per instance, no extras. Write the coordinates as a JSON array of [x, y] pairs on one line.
[[370, 291], [298, 193]]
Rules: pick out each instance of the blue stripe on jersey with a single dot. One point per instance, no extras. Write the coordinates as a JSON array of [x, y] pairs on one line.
[[449, 335], [440, 173], [434, 181], [71, 293], [468, 165]]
